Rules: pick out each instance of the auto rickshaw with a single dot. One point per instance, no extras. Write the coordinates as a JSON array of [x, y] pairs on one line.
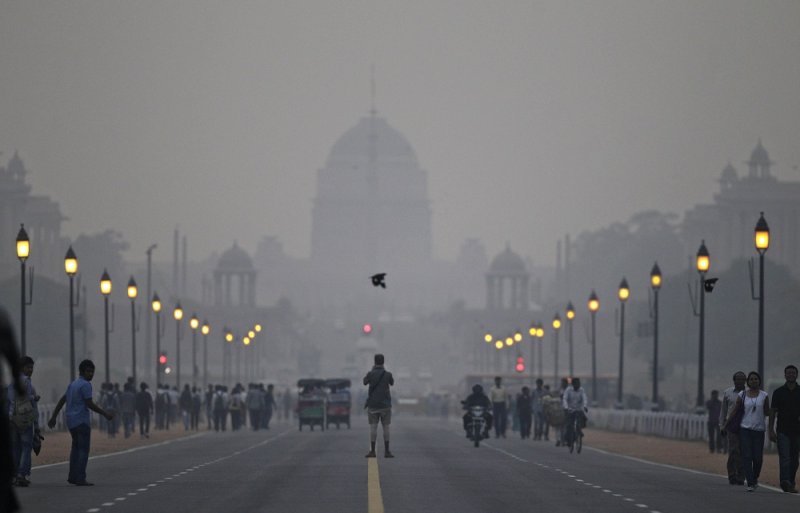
[[338, 409], [311, 403]]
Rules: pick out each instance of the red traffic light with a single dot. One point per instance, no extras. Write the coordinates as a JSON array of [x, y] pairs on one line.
[[366, 329], [162, 359], [520, 367]]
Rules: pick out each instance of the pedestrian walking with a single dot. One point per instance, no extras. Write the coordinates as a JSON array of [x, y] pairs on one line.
[[525, 412], [754, 403], [269, 404], [379, 404], [786, 406], [209, 403], [538, 410], [8, 351], [144, 407], [714, 406], [255, 405], [499, 397], [220, 409], [110, 403], [734, 464], [78, 399], [127, 407], [24, 414], [185, 403]]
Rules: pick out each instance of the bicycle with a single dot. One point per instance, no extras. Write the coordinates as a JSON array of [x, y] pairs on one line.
[[574, 433]]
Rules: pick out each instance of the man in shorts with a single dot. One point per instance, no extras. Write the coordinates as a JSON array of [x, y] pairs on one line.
[[379, 405]]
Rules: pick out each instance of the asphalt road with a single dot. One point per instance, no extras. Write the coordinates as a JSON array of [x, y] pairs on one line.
[[436, 469]]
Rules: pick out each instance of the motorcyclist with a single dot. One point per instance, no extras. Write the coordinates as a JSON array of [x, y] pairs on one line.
[[477, 398]]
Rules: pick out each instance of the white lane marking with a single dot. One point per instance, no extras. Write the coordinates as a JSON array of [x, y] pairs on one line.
[[92, 510], [142, 490], [641, 505], [628, 499], [151, 485], [506, 453], [119, 499], [107, 504], [606, 491], [132, 494]]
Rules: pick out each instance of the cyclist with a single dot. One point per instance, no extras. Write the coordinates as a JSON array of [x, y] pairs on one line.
[[576, 404]]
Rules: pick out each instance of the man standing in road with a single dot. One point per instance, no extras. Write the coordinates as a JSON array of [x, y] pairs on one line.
[[78, 399], [379, 404], [786, 403], [499, 397], [729, 397]]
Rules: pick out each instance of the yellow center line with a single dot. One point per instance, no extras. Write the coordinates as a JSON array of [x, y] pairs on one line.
[[374, 497]]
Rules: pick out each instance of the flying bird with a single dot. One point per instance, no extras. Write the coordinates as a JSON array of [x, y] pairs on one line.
[[708, 284], [378, 280]]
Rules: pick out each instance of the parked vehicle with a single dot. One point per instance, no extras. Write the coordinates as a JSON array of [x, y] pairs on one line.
[[339, 402]]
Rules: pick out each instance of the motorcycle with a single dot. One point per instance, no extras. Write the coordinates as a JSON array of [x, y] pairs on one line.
[[477, 424]]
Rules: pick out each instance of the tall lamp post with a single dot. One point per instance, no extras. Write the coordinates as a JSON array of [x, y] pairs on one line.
[[540, 336], [570, 312], [23, 252], [205, 329], [148, 345], [71, 268], [556, 328], [655, 283], [194, 323], [762, 244], [226, 371], [177, 313], [532, 333], [594, 306], [105, 290], [133, 291], [488, 338], [623, 293], [703, 263], [155, 304]]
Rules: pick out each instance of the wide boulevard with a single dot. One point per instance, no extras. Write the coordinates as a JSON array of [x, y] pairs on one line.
[[435, 469]]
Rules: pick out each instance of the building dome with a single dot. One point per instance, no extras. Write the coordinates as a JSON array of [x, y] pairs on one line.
[[390, 146], [759, 157], [729, 174], [235, 258], [508, 262]]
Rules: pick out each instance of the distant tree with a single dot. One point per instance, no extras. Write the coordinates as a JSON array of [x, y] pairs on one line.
[[101, 251]]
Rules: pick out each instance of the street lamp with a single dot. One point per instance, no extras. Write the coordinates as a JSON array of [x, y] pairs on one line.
[[226, 371], [762, 245], [258, 328], [594, 306], [623, 293], [570, 312], [655, 283], [540, 336], [105, 290], [177, 313], [156, 306], [71, 268], [23, 252], [133, 291], [703, 263], [205, 329], [194, 323], [556, 328], [532, 332]]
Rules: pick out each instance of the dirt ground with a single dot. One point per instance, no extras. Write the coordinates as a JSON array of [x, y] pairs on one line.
[[693, 455]]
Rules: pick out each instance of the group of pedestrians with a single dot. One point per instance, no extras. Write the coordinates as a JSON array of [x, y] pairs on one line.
[[747, 417]]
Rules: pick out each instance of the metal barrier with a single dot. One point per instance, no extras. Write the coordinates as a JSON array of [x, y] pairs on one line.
[[679, 426]]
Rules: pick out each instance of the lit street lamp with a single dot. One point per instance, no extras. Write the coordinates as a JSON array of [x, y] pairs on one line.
[[133, 291], [594, 306], [105, 290], [570, 317], [23, 252], [655, 283], [177, 313], [532, 333], [226, 371], [556, 328], [762, 244], [623, 293], [703, 263], [156, 306], [205, 329], [540, 336], [71, 268], [194, 323]]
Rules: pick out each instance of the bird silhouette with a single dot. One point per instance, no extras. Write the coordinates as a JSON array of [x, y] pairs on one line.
[[378, 280], [708, 284]]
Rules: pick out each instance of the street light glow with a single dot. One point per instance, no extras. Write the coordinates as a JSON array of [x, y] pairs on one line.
[[762, 235], [105, 283], [498, 344], [488, 338], [70, 262], [133, 290], [23, 244], [258, 328], [229, 337], [703, 259], [556, 322], [624, 290], [570, 311], [178, 312], [194, 322], [156, 303], [206, 329], [655, 276], [593, 303]]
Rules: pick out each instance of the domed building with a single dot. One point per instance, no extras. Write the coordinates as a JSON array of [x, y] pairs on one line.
[[235, 272], [371, 211], [507, 268]]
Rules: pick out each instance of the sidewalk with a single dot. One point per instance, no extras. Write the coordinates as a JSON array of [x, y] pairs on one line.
[[693, 455]]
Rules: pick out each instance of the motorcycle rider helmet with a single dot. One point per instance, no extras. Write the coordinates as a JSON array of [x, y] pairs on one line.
[[477, 389]]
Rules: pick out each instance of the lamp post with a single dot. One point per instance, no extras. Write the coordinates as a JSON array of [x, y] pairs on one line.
[[133, 291], [226, 371], [532, 333], [205, 329], [556, 328], [147, 325], [570, 312], [488, 338], [703, 263], [194, 323], [594, 306], [156, 306], [177, 313], [762, 244], [105, 290], [623, 293], [655, 283], [71, 268], [540, 336], [23, 252]]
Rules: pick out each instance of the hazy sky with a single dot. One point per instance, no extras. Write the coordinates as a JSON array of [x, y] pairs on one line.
[[533, 119]]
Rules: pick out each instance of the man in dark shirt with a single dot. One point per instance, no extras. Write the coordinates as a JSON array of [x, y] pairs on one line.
[[379, 404], [714, 405], [786, 403]]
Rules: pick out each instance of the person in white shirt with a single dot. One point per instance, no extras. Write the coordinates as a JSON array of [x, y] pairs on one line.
[[576, 404], [499, 397], [753, 427]]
